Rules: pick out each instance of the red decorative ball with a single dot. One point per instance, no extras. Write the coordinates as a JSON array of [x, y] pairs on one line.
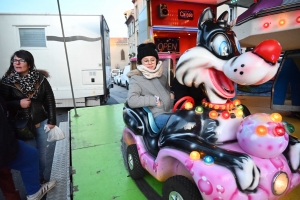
[[279, 131], [225, 114]]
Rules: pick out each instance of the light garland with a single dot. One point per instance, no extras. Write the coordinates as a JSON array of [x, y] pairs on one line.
[[227, 109]]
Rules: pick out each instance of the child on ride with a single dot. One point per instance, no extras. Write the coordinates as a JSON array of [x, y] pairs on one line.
[[148, 86]]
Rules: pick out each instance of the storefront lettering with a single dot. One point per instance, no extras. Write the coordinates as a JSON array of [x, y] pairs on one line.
[[164, 47], [185, 14]]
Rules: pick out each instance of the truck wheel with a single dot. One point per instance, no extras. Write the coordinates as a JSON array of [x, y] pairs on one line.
[[135, 168], [180, 188], [127, 86]]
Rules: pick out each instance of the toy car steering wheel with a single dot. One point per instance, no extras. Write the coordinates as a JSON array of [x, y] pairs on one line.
[[185, 99]]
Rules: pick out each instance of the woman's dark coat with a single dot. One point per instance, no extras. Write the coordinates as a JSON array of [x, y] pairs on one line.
[[41, 108], [8, 143]]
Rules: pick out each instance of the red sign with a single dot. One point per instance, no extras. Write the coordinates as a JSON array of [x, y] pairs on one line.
[[186, 14]]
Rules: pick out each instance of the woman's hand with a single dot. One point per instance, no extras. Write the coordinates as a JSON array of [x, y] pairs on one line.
[[51, 126], [158, 103], [25, 103], [172, 95]]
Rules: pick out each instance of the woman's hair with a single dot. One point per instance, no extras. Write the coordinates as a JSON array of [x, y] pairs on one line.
[[147, 48], [26, 55]]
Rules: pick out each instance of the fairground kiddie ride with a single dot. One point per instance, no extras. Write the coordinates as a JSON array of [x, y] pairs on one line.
[[186, 154], [241, 174]]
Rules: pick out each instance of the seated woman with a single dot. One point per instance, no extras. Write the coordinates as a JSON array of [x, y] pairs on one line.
[[148, 86]]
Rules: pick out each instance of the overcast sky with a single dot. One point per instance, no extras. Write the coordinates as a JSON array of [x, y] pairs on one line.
[[113, 10]]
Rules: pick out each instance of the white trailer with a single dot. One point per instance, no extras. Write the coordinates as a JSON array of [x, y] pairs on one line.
[[88, 50]]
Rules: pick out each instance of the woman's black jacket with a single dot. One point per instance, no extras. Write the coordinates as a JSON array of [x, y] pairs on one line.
[[8, 143], [41, 108]]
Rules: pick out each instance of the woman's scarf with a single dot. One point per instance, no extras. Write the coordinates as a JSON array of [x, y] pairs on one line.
[[150, 74], [27, 83]]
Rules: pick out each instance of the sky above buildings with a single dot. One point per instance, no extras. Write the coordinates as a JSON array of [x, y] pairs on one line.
[[113, 10]]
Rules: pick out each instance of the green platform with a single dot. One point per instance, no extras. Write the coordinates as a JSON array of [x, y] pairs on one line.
[[96, 155]]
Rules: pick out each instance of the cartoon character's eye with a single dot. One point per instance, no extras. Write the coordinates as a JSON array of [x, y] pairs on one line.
[[238, 45], [220, 45]]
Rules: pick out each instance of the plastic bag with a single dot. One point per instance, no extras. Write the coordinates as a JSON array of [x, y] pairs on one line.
[[54, 134]]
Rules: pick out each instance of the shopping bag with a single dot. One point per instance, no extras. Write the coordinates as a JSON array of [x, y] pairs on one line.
[[54, 134]]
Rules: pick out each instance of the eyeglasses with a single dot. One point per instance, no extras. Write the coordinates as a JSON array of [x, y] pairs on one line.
[[18, 61], [149, 61]]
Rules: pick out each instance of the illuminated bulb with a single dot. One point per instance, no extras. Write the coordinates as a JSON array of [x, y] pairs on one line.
[[239, 113], [266, 25], [213, 114], [261, 130], [240, 107], [290, 128], [298, 19], [281, 22], [199, 110], [236, 102], [216, 107], [208, 160], [276, 117], [279, 131], [188, 106], [195, 155], [225, 114]]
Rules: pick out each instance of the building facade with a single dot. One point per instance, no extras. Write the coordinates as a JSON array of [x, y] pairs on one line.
[[119, 53], [173, 25], [132, 28]]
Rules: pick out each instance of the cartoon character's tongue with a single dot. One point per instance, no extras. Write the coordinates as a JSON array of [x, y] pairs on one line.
[[222, 83]]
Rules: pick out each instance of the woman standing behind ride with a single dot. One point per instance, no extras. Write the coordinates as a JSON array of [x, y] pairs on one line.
[[148, 86], [29, 95]]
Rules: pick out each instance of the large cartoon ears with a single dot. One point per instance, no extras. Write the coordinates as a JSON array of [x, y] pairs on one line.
[[223, 19], [207, 15]]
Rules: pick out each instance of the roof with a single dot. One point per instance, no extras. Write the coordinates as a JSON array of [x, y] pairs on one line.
[[119, 40], [241, 3]]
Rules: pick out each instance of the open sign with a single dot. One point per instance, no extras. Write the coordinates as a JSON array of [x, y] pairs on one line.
[[167, 44], [185, 14]]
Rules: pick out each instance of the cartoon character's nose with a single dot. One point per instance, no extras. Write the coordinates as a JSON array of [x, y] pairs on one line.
[[269, 50]]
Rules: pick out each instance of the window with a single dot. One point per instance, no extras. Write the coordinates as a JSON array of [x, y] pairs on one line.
[[32, 37], [136, 12], [132, 27], [230, 14], [122, 55]]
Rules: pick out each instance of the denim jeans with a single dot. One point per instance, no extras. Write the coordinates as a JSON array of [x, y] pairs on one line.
[[40, 142], [27, 162], [161, 120]]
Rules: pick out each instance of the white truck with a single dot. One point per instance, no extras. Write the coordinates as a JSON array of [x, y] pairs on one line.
[[88, 49]]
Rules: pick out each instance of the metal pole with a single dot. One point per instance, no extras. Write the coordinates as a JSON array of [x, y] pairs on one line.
[[70, 78]]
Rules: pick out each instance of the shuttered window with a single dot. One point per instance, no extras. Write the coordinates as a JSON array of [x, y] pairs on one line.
[[32, 37]]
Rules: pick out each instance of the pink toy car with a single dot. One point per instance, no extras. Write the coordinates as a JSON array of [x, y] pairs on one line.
[[216, 150]]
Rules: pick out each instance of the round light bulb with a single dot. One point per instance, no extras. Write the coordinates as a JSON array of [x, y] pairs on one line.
[[195, 155], [276, 117], [261, 130]]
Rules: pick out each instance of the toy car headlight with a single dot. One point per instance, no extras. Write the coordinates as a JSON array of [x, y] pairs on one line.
[[280, 183]]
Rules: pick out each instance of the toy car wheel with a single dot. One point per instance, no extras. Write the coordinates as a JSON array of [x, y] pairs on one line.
[[127, 86], [180, 187], [135, 168]]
